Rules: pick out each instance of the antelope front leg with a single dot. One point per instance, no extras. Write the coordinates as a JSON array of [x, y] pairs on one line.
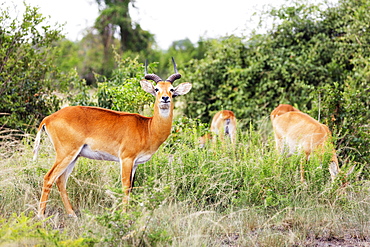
[[126, 175], [302, 173]]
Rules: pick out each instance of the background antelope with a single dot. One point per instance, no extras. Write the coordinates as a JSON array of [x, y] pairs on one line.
[[295, 130], [223, 125], [101, 134]]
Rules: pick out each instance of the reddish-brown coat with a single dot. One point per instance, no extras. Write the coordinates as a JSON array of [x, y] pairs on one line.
[[218, 127], [295, 130]]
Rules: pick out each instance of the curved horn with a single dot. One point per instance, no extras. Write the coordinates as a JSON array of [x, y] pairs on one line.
[[152, 77], [146, 67], [174, 65], [175, 76]]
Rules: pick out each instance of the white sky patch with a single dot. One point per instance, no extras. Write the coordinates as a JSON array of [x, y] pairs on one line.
[[168, 20]]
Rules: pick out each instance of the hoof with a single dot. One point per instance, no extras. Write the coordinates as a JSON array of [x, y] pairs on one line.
[[40, 216], [74, 216]]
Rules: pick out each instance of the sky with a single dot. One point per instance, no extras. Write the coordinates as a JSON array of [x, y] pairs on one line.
[[168, 20]]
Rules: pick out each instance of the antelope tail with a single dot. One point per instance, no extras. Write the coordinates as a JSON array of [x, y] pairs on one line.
[[37, 143], [227, 123]]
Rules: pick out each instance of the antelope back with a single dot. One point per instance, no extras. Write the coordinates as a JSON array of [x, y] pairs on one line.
[[218, 121], [281, 109]]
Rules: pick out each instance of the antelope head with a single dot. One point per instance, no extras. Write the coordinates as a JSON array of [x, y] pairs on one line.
[[164, 90]]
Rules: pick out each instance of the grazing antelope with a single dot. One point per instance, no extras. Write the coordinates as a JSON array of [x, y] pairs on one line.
[[295, 130], [223, 124], [101, 134]]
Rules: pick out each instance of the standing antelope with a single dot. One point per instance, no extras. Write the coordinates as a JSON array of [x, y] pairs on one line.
[[223, 125], [101, 134], [295, 130]]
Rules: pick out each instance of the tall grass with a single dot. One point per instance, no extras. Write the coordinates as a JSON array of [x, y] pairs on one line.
[[245, 195]]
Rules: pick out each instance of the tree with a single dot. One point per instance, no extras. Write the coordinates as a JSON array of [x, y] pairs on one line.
[[115, 16]]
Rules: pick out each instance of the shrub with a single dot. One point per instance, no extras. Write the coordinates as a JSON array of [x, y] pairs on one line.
[[123, 91], [26, 68]]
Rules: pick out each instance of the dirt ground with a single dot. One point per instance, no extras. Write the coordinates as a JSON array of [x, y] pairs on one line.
[[347, 241]]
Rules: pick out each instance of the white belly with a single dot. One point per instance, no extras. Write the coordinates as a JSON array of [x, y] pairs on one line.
[[97, 155], [101, 155], [143, 158]]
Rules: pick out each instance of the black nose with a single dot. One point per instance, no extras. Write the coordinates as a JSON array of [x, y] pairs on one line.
[[165, 99]]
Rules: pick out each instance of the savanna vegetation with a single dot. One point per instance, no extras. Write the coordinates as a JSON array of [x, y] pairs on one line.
[[315, 57]]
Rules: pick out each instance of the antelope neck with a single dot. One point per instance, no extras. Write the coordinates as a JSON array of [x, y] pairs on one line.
[[160, 125]]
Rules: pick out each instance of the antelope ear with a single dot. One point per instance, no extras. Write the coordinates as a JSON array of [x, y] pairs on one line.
[[147, 87], [182, 89]]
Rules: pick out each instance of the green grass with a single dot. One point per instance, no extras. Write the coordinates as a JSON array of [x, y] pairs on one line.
[[187, 196]]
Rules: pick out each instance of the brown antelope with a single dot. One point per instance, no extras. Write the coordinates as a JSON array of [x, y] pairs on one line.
[[295, 130], [101, 134], [223, 125]]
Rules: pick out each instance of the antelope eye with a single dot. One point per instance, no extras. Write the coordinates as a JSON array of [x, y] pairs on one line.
[[156, 89], [172, 90]]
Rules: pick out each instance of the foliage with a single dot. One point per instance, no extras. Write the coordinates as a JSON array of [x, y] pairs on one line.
[[90, 56], [213, 88], [123, 92], [188, 126], [183, 51], [32, 84], [115, 15], [26, 68], [85, 55], [68, 57], [24, 230], [313, 58], [347, 101], [120, 227]]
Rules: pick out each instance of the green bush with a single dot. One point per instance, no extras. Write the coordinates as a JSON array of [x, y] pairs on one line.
[[123, 92], [26, 68], [24, 230]]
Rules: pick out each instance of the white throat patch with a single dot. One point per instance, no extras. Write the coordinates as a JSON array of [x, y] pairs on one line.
[[165, 110]]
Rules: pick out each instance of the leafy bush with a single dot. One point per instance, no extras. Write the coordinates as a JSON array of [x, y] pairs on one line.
[[26, 68], [24, 231], [123, 91], [31, 84]]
